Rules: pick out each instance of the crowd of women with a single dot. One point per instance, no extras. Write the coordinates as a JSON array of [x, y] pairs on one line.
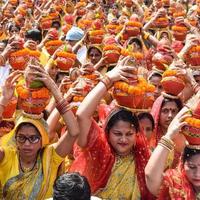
[[106, 89]]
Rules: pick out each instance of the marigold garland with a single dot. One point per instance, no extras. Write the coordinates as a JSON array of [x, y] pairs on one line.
[[54, 43], [64, 54], [21, 52], [193, 122], [179, 28], [25, 93], [96, 32], [134, 24]]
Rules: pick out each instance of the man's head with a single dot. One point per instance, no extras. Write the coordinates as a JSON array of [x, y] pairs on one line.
[[71, 186]]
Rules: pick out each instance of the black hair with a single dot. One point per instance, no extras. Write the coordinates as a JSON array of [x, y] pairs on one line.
[[34, 34], [146, 115], [61, 74], [155, 74], [28, 124], [135, 40], [124, 115], [93, 47], [12, 26], [177, 101], [55, 23], [71, 186], [188, 153]]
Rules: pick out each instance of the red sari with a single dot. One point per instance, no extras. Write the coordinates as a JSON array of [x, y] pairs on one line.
[[97, 160], [155, 111], [176, 186]]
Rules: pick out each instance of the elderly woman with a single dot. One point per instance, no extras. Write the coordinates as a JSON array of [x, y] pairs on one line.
[[29, 165], [113, 158]]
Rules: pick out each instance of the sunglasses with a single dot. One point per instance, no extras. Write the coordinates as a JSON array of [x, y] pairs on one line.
[[33, 139]]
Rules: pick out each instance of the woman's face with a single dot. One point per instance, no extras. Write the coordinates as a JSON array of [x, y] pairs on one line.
[[156, 81], [168, 111], [192, 170], [122, 137], [94, 56], [28, 141], [147, 127]]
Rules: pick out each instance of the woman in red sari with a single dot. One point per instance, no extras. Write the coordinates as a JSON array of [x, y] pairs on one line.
[[163, 111], [182, 183], [112, 159]]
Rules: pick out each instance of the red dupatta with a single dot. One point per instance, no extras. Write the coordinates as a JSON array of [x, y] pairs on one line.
[[176, 185], [97, 160], [155, 111]]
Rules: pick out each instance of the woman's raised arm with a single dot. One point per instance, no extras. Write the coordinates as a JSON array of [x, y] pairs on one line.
[[157, 162], [7, 91], [89, 104], [64, 145]]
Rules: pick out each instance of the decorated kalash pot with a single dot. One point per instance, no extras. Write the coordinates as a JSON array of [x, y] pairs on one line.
[[179, 31], [18, 59], [172, 82], [192, 57], [111, 50], [133, 27], [96, 35], [65, 59], [52, 45], [33, 96], [7, 122], [136, 95], [162, 57], [162, 21], [192, 130], [86, 86]]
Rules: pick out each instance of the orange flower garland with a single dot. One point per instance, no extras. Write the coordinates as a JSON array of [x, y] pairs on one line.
[[32, 101], [65, 60], [96, 36], [179, 32], [52, 46], [172, 83], [133, 28], [193, 56], [18, 60], [161, 22], [134, 96], [25, 93], [112, 52], [193, 122]]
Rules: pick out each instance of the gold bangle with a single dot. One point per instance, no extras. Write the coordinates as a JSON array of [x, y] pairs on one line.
[[106, 81], [146, 35], [167, 143], [166, 147]]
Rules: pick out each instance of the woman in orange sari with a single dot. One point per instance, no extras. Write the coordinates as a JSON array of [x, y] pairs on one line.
[[113, 158]]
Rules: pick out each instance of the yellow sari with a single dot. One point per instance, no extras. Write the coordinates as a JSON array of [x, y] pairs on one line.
[[36, 184], [121, 185]]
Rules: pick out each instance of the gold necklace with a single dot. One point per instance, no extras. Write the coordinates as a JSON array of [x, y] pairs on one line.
[[26, 169]]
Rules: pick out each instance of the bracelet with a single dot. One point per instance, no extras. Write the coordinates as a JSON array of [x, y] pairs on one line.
[[166, 143], [196, 87], [63, 106], [146, 35], [106, 81]]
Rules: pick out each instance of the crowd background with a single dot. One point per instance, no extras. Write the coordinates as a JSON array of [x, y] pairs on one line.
[[108, 89]]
